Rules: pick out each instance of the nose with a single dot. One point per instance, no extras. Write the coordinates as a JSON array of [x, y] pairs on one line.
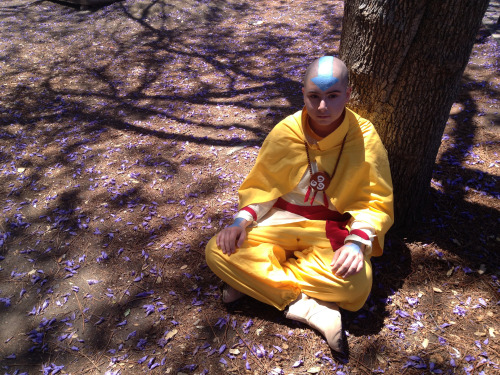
[[322, 105]]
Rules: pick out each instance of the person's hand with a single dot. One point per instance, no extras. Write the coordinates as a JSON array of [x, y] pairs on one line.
[[348, 260], [232, 237]]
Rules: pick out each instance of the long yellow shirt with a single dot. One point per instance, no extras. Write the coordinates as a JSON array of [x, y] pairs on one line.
[[362, 183]]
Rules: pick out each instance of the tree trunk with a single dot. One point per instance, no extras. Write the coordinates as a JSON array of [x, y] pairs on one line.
[[406, 59]]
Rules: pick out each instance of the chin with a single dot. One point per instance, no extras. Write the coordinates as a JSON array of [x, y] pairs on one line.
[[324, 121]]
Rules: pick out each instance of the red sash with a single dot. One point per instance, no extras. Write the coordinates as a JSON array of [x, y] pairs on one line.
[[335, 224]]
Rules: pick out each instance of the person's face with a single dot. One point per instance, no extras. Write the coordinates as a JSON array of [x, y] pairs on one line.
[[325, 108]]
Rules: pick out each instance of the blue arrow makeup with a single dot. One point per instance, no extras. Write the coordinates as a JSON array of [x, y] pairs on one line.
[[325, 79]]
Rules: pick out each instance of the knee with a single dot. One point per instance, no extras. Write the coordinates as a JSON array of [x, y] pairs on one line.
[[212, 252], [358, 289]]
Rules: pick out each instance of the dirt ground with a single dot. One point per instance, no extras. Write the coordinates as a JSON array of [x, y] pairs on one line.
[[125, 132]]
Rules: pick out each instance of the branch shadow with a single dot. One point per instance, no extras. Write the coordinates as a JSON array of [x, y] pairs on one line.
[[77, 123], [94, 126]]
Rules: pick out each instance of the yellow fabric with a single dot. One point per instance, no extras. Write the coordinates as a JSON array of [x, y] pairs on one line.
[[361, 186], [277, 262]]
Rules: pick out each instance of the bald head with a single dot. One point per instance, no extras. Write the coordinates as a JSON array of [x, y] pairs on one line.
[[325, 72]]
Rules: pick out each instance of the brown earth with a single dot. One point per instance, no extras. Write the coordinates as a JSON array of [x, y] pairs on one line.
[[124, 135]]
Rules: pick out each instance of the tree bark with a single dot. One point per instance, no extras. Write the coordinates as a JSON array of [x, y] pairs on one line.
[[406, 59]]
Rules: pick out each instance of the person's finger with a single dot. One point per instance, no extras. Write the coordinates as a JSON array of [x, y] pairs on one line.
[[242, 238], [356, 266], [217, 240], [339, 261], [232, 245], [336, 255], [338, 269], [351, 269], [360, 266], [348, 264], [224, 242], [229, 243], [233, 236]]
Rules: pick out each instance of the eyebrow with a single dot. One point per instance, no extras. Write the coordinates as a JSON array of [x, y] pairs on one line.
[[326, 92]]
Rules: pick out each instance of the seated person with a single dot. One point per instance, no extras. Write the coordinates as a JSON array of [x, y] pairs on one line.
[[313, 210]]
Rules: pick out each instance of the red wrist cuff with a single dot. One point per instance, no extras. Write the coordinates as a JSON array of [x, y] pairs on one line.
[[360, 233], [252, 212]]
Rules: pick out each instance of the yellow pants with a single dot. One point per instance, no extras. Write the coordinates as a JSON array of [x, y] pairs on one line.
[[276, 263]]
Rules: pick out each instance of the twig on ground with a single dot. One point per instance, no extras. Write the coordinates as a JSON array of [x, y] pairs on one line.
[[81, 311]]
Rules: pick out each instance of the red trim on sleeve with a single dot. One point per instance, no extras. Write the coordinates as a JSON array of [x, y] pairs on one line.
[[251, 211], [360, 233]]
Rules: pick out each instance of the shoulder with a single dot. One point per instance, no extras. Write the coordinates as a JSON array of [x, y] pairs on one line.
[[364, 125], [287, 130], [363, 128]]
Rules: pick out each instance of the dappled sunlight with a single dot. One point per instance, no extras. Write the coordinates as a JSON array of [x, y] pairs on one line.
[[125, 132]]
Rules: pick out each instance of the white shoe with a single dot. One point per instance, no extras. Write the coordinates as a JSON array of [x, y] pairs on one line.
[[229, 294], [320, 315]]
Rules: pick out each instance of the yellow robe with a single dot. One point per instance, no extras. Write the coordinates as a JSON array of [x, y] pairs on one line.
[[278, 262], [362, 183]]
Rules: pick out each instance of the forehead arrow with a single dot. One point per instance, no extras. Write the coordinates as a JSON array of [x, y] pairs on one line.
[[325, 79]]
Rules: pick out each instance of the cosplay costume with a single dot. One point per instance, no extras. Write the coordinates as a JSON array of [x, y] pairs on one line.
[[306, 196]]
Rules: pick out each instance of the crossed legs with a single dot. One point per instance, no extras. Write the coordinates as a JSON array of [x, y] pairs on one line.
[[276, 263]]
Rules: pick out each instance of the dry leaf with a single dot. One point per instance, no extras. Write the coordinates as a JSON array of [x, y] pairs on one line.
[[482, 269], [234, 351], [314, 370], [170, 334], [450, 272], [184, 267], [437, 290], [491, 331], [480, 334], [425, 343], [234, 149]]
